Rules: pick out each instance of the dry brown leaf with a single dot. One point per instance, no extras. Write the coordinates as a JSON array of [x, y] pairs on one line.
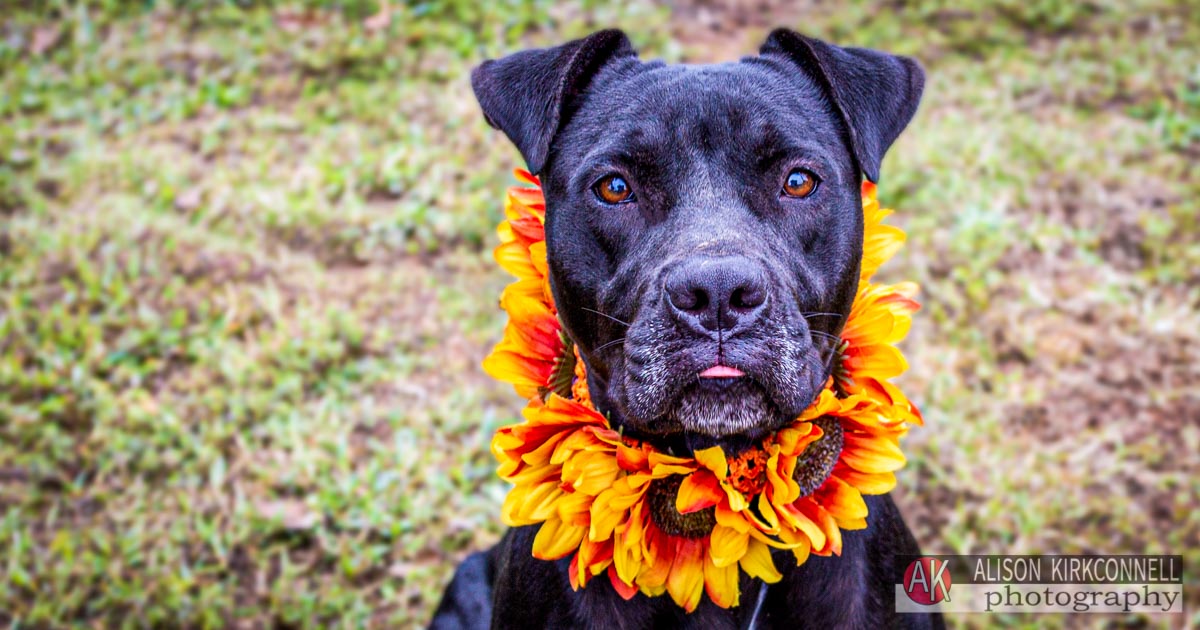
[[293, 514], [44, 38], [380, 20]]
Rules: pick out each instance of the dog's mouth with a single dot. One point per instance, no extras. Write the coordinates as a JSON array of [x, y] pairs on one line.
[[731, 411], [727, 410], [684, 395]]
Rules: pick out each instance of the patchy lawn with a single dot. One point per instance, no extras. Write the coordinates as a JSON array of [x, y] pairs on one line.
[[245, 286]]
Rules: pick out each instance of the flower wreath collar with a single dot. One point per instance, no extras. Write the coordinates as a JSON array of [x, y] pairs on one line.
[[655, 522]]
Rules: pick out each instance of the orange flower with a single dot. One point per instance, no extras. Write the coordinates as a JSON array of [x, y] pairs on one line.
[[880, 242], [598, 495], [532, 339]]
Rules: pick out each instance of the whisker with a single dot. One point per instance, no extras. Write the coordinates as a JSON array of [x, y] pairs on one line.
[[808, 314], [592, 310], [820, 333], [614, 341], [829, 360], [830, 343]]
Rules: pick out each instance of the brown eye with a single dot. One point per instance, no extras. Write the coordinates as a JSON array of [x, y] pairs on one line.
[[613, 189], [800, 183]]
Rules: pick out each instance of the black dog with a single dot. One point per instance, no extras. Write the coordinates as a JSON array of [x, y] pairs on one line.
[[717, 210]]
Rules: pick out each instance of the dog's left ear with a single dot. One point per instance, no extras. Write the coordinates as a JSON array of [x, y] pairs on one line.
[[875, 93]]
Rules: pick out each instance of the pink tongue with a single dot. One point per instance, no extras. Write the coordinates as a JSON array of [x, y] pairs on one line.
[[721, 371]]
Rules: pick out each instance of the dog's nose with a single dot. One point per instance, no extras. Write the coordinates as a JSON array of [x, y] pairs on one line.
[[711, 294]]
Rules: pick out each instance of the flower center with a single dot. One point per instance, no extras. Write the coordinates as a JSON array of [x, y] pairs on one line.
[[748, 471], [815, 464], [661, 501]]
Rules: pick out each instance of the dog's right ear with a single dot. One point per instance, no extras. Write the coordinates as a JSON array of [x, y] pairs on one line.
[[528, 95]]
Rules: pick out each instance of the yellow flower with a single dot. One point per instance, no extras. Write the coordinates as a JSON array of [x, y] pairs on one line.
[[880, 242], [880, 318], [532, 339], [593, 491]]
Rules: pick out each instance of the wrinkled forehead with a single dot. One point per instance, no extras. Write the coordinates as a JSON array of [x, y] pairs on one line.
[[749, 108]]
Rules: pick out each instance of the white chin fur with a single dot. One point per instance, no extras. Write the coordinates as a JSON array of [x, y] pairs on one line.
[[720, 414]]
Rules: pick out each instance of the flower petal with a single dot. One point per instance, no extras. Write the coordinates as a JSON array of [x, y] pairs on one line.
[[727, 545], [698, 491], [626, 591], [524, 374], [841, 500], [713, 458], [573, 572], [556, 539], [867, 483], [611, 507], [737, 500], [802, 545], [731, 519], [877, 360], [685, 584], [631, 459], [574, 508], [871, 455], [801, 523], [721, 583], [591, 473], [833, 534], [656, 567], [758, 563]]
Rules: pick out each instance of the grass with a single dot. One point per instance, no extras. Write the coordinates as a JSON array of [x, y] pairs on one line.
[[245, 286]]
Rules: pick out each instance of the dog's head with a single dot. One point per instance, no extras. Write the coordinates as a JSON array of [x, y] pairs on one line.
[[703, 223]]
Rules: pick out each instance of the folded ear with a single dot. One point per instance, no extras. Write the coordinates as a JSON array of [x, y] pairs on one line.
[[528, 94], [875, 93]]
